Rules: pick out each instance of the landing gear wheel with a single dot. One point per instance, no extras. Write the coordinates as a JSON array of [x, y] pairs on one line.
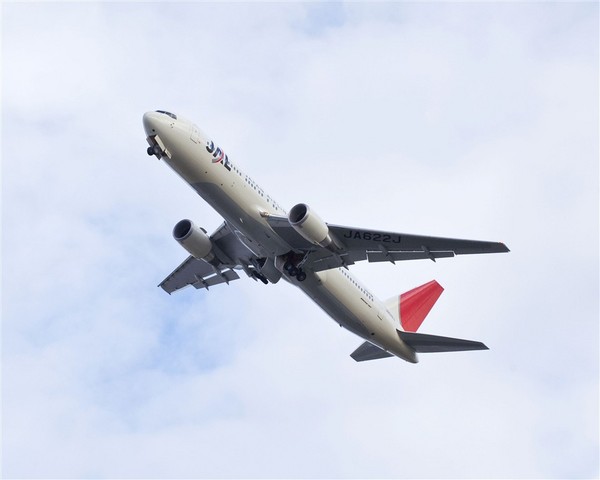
[[154, 150], [293, 271], [287, 266], [301, 276]]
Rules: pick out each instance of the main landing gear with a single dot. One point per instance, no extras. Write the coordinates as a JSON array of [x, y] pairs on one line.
[[294, 271], [261, 277]]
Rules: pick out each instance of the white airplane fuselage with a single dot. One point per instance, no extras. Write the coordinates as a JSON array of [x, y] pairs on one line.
[[245, 206]]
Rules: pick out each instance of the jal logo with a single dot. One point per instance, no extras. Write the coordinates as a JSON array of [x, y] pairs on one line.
[[218, 155]]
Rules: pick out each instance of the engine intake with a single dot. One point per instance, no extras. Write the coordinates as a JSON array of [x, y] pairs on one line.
[[194, 240], [308, 224]]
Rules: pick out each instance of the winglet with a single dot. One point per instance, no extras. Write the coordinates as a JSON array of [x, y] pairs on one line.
[[415, 304]]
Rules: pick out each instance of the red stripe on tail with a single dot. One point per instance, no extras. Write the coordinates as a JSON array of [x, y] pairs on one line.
[[417, 303]]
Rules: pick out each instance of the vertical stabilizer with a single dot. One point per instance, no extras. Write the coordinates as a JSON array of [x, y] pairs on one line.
[[412, 307], [417, 303]]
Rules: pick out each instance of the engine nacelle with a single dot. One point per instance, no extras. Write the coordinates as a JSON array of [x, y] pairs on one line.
[[308, 224], [194, 240]]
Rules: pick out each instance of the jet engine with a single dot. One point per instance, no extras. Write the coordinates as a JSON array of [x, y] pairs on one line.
[[308, 224], [194, 240]]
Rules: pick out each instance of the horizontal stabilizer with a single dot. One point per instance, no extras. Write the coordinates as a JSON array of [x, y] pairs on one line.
[[368, 351], [422, 343]]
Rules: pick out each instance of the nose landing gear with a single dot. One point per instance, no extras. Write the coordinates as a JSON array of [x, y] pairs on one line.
[[154, 150]]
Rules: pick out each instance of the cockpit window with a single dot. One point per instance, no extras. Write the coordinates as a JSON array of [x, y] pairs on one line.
[[172, 115]]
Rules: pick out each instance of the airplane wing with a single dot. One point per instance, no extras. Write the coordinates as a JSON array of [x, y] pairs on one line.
[[388, 246], [197, 273], [378, 246], [200, 274]]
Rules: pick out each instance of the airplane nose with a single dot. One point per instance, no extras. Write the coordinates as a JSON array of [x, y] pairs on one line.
[[153, 121]]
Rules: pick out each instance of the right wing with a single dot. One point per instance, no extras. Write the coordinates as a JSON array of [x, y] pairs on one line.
[[197, 273], [200, 274]]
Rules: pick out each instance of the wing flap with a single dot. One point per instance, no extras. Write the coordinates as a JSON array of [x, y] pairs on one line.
[[224, 276], [423, 343], [368, 351], [196, 273], [388, 256]]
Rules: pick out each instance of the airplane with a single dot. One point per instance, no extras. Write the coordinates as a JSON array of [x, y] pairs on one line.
[[261, 239]]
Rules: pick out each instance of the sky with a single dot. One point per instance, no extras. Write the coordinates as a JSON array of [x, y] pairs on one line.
[[468, 120]]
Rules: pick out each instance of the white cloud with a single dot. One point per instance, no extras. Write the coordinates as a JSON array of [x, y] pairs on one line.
[[474, 120]]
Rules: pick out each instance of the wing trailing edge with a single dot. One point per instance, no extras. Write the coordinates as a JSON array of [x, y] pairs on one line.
[[197, 273]]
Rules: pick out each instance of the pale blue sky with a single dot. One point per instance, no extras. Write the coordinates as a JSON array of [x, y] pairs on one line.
[[474, 120]]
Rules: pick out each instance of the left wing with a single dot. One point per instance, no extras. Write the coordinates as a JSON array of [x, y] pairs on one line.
[[388, 246], [359, 244]]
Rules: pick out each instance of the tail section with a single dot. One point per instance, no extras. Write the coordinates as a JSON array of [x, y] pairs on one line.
[[368, 351], [411, 308], [422, 343]]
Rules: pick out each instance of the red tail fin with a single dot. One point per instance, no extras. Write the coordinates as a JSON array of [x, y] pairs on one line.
[[415, 304]]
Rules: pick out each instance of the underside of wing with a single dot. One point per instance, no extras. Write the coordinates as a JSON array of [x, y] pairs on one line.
[[198, 274], [228, 248], [228, 252], [358, 244], [368, 351], [282, 227], [381, 246]]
